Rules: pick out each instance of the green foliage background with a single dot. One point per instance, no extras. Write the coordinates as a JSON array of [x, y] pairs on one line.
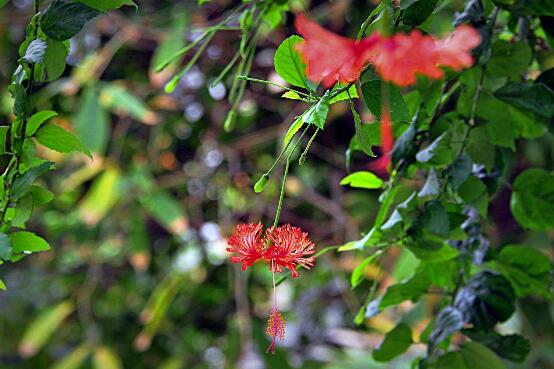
[[137, 275]]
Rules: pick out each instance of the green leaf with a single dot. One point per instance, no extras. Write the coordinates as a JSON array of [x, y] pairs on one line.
[[396, 342], [289, 64], [394, 223], [418, 12], [54, 58], [2, 285], [479, 147], [412, 290], [431, 188], [487, 298], [512, 347], [63, 20], [274, 15], [358, 272], [293, 95], [91, 122], [23, 211], [5, 247], [351, 93], [43, 327], [105, 5], [35, 52], [532, 201], [439, 152], [40, 195], [22, 104], [449, 321], [22, 183], [362, 136], [26, 242], [535, 97], [433, 252], [405, 147], [294, 127], [527, 269], [28, 155], [502, 129], [362, 179], [459, 171], [56, 138], [474, 192], [435, 220], [509, 59], [37, 120], [372, 90], [317, 114], [472, 355]]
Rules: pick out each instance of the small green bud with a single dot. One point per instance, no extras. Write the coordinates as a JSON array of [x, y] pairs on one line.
[[260, 185], [172, 84], [229, 123]]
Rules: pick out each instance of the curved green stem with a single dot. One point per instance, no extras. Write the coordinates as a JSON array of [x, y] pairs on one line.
[[285, 174]]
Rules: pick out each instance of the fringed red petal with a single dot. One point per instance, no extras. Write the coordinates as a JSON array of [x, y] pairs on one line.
[[247, 243], [289, 248]]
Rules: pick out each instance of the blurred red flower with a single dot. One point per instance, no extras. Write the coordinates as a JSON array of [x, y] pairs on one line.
[[401, 58], [247, 243], [331, 58], [289, 248]]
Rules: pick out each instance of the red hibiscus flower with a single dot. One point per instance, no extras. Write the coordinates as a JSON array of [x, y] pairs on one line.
[[283, 247], [289, 248], [247, 243], [455, 50], [399, 58], [331, 58]]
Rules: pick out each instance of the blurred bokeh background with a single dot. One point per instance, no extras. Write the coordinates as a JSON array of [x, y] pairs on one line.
[[138, 272]]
